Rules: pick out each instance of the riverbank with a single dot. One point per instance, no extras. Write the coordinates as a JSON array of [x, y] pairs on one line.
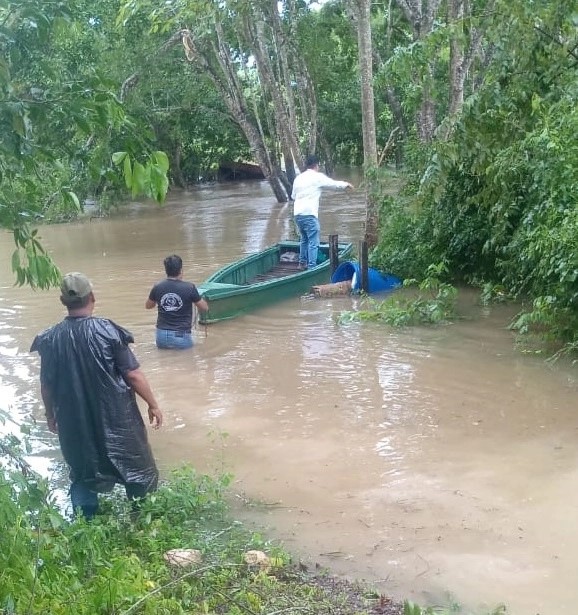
[[123, 562]]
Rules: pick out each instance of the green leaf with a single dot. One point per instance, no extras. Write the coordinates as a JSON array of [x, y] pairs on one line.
[[16, 261], [72, 196], [118, 157], [128, 178], [161, 160], [139, 179]]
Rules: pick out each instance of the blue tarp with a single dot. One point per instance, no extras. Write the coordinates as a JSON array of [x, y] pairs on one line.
[[377, 281]]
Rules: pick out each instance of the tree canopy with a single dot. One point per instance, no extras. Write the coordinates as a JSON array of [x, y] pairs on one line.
[[474, 102]]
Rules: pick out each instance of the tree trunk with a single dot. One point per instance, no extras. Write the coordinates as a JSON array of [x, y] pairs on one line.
[[365, 52], [421, 15], [269, 83], [426, 116], [397, 112], [463, 50], [457, 73], [361, 10]]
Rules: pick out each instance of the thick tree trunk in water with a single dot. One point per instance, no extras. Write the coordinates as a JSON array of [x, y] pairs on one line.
[[361, 10]]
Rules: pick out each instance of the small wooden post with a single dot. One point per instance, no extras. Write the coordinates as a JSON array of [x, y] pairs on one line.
[[333, 252], [364, 266]]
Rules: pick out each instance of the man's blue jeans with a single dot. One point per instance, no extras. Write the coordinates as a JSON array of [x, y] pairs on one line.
[[173, 339], [87, 501], [309, 230]]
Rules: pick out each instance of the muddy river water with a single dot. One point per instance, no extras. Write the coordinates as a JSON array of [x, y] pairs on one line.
[[440, 464]]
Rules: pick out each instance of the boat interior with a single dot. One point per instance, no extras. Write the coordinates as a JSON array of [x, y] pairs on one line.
[[270, 265]]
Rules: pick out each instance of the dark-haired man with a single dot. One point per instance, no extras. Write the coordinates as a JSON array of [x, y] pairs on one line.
[[88, 379], [174, 299], [305, 196]]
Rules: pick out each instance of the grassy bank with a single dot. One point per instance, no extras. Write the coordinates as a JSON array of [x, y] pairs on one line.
[[178, 552], [118, 563]]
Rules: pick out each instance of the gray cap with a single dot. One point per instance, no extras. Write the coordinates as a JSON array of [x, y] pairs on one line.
[[74, 287]]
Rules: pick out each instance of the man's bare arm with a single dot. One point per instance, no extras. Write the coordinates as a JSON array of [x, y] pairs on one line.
[[150, 304], [202, 305], [138, 382], [48, 405]]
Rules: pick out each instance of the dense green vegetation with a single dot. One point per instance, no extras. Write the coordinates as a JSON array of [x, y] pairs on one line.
[[429, 302], [497, 199], [62, 119], [475, 104]]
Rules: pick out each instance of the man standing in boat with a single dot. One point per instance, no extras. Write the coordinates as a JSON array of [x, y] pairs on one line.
[[305, 196], [174, 299]]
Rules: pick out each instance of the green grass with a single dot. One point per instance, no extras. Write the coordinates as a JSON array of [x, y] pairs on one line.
[[115, 564]]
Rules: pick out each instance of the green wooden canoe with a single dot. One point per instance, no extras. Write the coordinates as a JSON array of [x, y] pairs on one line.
[[264, 278]]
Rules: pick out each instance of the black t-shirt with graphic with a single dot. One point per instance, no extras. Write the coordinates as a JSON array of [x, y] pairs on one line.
[[174, 299]]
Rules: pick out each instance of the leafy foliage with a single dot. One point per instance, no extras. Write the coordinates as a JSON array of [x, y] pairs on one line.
[[497, 201], [434, 303], [59, 116], [410, 608]]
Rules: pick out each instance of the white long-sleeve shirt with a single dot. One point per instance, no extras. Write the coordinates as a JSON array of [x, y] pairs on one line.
[[307, 191]]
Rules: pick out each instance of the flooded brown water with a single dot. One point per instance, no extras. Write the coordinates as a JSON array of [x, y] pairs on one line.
[[440, 464]]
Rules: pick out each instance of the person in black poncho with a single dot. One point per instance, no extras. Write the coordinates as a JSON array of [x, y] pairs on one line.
[[89, 377]]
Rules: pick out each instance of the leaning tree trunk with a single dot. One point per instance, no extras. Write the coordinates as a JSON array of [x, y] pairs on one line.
[[223, 73], [270, 85]]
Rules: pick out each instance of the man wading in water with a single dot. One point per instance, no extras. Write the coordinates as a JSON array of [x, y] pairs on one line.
[[88, 380], [175, 299]]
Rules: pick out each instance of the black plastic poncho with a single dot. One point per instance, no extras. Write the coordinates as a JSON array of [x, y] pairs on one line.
[[101, 431]]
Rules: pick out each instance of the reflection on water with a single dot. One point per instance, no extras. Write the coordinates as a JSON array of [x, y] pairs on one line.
[[433, 462]]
